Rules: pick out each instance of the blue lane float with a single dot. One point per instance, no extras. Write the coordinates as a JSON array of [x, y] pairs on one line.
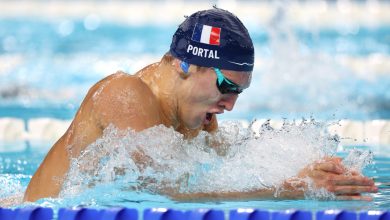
[[78, 214], [121, 213], [205, 214], [7, 213], [249, 214], [34, 213], [163, 214], [374, 215], [28, 213], [292, 215], [336, 215]]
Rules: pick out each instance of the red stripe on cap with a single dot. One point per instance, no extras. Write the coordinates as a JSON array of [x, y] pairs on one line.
[[214, 35]]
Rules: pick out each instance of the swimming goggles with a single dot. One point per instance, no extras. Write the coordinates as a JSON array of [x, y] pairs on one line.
[[226, 86]]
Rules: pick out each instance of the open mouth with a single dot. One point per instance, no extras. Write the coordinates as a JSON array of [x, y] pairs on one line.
[[209, 116]]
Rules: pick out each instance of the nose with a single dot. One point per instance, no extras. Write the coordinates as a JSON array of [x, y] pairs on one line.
[[227, 102]]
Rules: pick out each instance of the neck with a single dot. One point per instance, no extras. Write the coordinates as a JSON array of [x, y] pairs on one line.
[[162, 79]]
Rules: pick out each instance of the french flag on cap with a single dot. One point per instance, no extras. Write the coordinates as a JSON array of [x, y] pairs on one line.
[[206, 34]]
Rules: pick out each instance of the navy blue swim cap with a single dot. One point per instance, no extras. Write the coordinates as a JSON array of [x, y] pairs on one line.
[[214, 38]]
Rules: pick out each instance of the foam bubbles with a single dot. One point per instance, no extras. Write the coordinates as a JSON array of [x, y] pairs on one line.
[[12, 190], [357, 160], [159, 160]]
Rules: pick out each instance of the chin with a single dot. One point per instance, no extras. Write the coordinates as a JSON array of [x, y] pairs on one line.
[[194, 127], [194, 124]]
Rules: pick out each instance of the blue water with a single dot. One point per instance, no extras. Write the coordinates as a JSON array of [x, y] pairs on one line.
[[41, 37], [56, 70], [18, 167]]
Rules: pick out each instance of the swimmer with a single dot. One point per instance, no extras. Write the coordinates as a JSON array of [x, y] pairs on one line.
[[210, 62]]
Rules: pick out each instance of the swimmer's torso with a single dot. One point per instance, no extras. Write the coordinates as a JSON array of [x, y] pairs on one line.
[[119, 99]]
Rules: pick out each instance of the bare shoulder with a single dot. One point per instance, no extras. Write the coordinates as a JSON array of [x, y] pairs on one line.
[[126, 101]]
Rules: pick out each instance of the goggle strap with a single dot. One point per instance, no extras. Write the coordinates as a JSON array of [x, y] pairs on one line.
[[220, 77]]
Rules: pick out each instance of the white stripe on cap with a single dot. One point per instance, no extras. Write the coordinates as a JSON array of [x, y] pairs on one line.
[[241, 64], [205, 37]]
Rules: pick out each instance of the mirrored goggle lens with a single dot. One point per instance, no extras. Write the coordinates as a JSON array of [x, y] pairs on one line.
[[228, 87]]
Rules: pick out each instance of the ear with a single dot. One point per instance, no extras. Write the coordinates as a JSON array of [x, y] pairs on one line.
[[182, 68]]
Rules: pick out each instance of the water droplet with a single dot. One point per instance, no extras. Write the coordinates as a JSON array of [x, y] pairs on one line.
[[65, 28], [92, 22]]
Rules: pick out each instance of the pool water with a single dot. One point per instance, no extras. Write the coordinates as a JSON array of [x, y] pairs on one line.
[[325, 72], [17, 169], [296, 67]]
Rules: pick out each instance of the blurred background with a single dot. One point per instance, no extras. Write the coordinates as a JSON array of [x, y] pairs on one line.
[[325, 59], [329, 60]]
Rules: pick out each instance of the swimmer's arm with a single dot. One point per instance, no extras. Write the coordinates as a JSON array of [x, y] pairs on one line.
[[127, 102], [47, 180], [327, 174], [256, 194], [330, 174], [115, 99], [288, 191]]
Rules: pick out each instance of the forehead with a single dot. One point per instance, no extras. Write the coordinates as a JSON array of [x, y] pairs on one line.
[[241, 78]]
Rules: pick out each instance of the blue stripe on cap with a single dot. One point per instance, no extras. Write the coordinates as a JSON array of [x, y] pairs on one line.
[[197, 34]]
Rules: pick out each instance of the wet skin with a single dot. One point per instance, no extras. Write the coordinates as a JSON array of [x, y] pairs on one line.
[[162, 94]]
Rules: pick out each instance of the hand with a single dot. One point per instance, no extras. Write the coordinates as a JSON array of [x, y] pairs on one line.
[[331, 175]]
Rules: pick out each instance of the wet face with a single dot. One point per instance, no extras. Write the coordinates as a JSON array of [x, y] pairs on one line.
[[202, 99]]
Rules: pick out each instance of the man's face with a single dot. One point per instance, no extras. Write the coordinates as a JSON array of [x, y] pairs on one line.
[[202, 98]]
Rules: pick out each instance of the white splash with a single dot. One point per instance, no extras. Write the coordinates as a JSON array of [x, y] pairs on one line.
[[159, 159], [357, 160], [12, 190]]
